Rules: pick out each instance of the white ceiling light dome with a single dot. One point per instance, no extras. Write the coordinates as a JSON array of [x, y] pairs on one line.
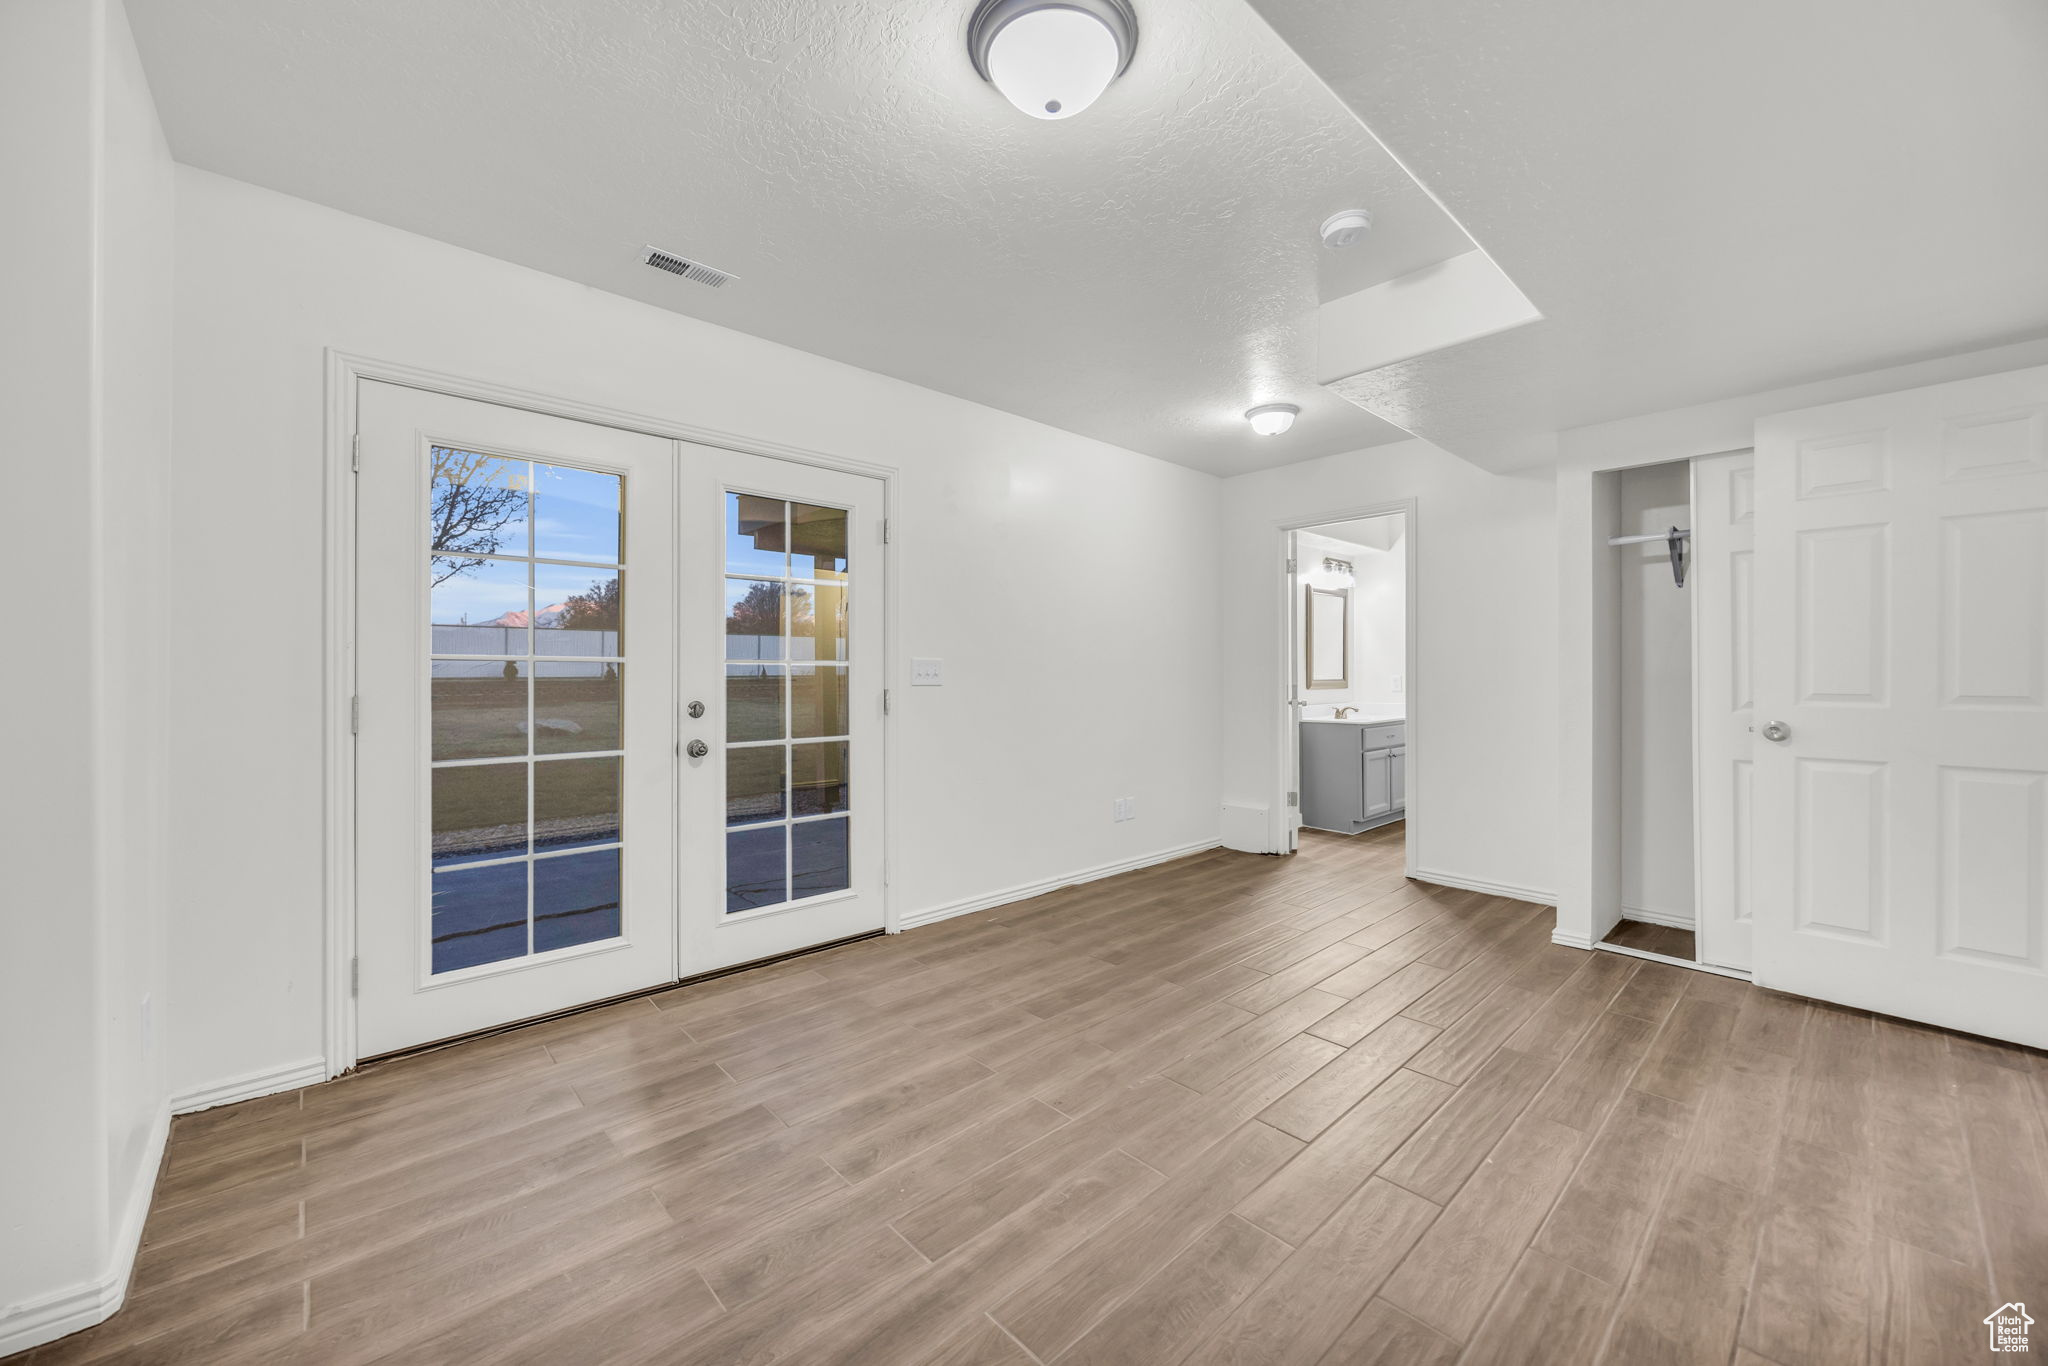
[[1271, 419], [1052, 58]]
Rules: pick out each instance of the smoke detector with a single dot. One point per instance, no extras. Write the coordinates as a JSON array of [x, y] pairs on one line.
[[1342, 229], [689, 270]]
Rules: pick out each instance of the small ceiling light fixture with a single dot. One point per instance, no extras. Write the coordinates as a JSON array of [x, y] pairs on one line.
[[1052, 58], [1271, 419], [1342, 229]]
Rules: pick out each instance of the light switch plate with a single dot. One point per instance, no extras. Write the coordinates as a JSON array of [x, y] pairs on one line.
[[927, 673]]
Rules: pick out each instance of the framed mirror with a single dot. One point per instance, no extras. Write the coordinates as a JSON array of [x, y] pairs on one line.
[[1327, 637]]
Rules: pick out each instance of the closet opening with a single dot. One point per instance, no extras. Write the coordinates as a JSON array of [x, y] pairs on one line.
[[1679, 559]]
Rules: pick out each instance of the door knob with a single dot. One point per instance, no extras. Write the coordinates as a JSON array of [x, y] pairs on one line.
[[697, 749], [1777, 732]]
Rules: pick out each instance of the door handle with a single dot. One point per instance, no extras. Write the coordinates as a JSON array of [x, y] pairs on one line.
[[697, 749], [1777, 732]]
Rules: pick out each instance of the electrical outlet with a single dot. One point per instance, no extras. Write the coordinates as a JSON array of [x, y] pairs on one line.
[[927, 673], [1397, 682], [1124, 809]]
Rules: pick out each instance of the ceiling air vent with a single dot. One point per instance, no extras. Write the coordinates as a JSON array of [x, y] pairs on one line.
[[689, 270]]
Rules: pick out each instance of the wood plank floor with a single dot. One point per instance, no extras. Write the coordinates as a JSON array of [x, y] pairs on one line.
[[1668, 940], [1231, 1109]]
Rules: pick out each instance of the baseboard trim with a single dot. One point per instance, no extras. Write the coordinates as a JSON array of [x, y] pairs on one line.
[[263, 1082], [1676, 922], [1025, 891], [78, 1307], [1571, 941], [1536, 895]]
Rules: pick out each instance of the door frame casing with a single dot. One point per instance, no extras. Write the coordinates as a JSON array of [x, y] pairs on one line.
[[345, 374], [1286, 767]]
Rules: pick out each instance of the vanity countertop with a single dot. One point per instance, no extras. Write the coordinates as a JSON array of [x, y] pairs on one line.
[[1362, 718]]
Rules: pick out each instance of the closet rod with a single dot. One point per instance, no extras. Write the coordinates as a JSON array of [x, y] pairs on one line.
[[1675, 538]]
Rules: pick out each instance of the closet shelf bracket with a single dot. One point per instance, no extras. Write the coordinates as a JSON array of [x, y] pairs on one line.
[[1675, 538]]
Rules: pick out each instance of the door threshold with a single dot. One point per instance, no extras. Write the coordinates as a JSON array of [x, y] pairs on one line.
[[495, 1030], [1688, 963]]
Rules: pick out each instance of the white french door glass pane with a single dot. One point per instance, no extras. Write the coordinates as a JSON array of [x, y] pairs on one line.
[[755, 701], [818, 700], [479, 504], [480, 708], [480, 607], [817, 622], [756, 868], [804, 622], [479, 916], [479, 812], [576, 707], [817, 778], [575, 899], [753, 619], [756, 778], [577, 611], [575, 802], [485, 530], [577, 514], [819, 862], [756, 537], [818, 542]]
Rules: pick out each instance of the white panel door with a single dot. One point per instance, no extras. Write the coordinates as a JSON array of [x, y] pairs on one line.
[[516, 642], [1901, 823], [1722, 576]]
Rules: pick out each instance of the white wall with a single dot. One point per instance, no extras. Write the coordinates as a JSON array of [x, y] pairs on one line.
[[53, 1196], [84, 355], [1482, 692], [1036, 563], [1656, 700], [1379, 628]]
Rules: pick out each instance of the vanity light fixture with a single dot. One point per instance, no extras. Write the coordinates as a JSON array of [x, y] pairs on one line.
[[1052, 58], [1271, 419]]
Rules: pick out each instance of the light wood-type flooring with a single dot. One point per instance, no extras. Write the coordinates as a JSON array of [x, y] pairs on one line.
[[1665, 939], [1230, 1109]]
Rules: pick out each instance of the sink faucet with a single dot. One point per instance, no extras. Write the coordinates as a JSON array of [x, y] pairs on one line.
[[1343, 712]]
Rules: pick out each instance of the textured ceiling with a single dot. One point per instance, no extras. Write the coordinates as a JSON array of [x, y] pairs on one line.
[[1702, 199], [1140, 274]]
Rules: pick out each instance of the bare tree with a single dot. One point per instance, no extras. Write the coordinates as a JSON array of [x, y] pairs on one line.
[[473, 503]]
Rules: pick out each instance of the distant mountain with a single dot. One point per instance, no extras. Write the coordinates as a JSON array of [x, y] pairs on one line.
[[547, 617]]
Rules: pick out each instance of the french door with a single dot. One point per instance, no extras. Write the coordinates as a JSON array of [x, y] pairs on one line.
[[619, 712], [1901, 666]]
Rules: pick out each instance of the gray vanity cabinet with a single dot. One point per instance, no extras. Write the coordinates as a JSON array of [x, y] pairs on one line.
[[1353, 777]]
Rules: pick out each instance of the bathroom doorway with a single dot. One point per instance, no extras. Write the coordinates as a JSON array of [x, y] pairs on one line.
[[1349, 752]]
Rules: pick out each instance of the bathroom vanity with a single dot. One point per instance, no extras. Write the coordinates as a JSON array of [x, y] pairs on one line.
[[1353, 771]]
